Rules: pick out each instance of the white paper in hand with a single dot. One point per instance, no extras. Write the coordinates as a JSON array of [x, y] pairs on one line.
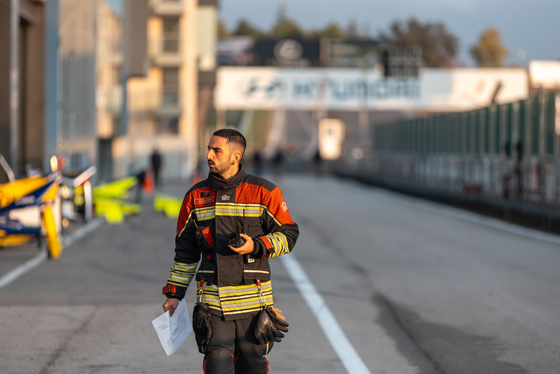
[[172, 331]]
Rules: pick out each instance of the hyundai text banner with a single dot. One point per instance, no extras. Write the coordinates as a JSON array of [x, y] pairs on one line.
[[354, 89]]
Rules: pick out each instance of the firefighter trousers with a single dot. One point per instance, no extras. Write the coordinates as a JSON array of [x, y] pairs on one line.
[[233, 348]]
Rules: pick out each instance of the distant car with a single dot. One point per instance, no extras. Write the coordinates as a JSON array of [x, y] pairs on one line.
[[30, 211]]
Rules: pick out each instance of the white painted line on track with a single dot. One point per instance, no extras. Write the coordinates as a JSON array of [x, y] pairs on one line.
[[22, 269], [42, 256], [342, 346], [82, 231]]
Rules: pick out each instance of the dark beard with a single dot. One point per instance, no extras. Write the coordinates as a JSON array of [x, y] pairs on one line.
[[219, 171]]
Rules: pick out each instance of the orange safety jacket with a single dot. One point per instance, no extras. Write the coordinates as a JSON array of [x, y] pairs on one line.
[[211, 210]]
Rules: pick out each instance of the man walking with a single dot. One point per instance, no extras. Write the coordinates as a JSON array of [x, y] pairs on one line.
[[156, 161], [231, 223]]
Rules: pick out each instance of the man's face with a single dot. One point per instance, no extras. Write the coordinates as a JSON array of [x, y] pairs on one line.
[[221, 158]]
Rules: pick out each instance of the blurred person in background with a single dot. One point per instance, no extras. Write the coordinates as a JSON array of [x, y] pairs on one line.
[[156, 161], [318, 162], [139, 186], [257, 163], [278, 163], [229, 225]]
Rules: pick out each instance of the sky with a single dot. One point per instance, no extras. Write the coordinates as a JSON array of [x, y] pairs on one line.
[[529, 28]]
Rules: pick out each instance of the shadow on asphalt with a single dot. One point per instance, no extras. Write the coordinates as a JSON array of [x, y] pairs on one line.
[[436, 348]]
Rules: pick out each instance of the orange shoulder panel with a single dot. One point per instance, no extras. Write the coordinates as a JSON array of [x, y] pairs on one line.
[[278, 207], [200, 198], [250, 193], [274, 200], [186, 208]]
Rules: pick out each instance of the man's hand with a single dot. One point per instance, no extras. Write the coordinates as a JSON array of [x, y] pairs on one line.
[[246, 248], [170, 304]]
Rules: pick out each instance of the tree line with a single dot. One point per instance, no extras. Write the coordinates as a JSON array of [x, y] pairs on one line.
[[439, 46]]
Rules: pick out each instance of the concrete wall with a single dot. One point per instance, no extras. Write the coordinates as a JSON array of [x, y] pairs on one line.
[[32, 86], [9, 89], [22, 84], [77, 91]]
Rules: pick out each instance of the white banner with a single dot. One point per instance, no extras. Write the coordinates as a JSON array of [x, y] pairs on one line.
[[545, 74], [353, 89]]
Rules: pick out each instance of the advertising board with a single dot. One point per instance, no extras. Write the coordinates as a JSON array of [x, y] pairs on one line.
[[354, 89]]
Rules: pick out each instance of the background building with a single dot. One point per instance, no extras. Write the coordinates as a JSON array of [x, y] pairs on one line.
[[76, 91], [23, 83], [47, 83], [109, 82], [207, 64], [165, 107], [62, 72]]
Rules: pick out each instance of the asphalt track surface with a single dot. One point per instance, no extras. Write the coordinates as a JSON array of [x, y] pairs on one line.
[[377, 283]]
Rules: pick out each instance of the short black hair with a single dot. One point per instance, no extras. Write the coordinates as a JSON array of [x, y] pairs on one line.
[[232, 136]]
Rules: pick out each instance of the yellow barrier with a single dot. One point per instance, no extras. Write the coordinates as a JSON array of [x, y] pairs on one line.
[[119, 189], [169, 205], [110, 200], [114, 211]]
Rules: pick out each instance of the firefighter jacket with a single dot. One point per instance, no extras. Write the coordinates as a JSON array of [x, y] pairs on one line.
[[233, 285]]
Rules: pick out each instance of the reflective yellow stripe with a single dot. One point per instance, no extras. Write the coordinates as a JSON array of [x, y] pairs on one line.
[[233, 300], [257, 271], [280, 243], [182, 274], [239, 210], [204, 214]]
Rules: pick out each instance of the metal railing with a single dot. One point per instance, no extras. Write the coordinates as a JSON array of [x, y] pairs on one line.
[[502, 153]]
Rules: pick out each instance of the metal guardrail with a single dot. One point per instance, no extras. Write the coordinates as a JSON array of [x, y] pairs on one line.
[[502, 160]]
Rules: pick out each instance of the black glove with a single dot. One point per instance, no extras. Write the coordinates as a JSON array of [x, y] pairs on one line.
[[269, 327], [201, 326]]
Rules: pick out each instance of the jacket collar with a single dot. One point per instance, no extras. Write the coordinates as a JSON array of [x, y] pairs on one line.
[[233, 182]]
